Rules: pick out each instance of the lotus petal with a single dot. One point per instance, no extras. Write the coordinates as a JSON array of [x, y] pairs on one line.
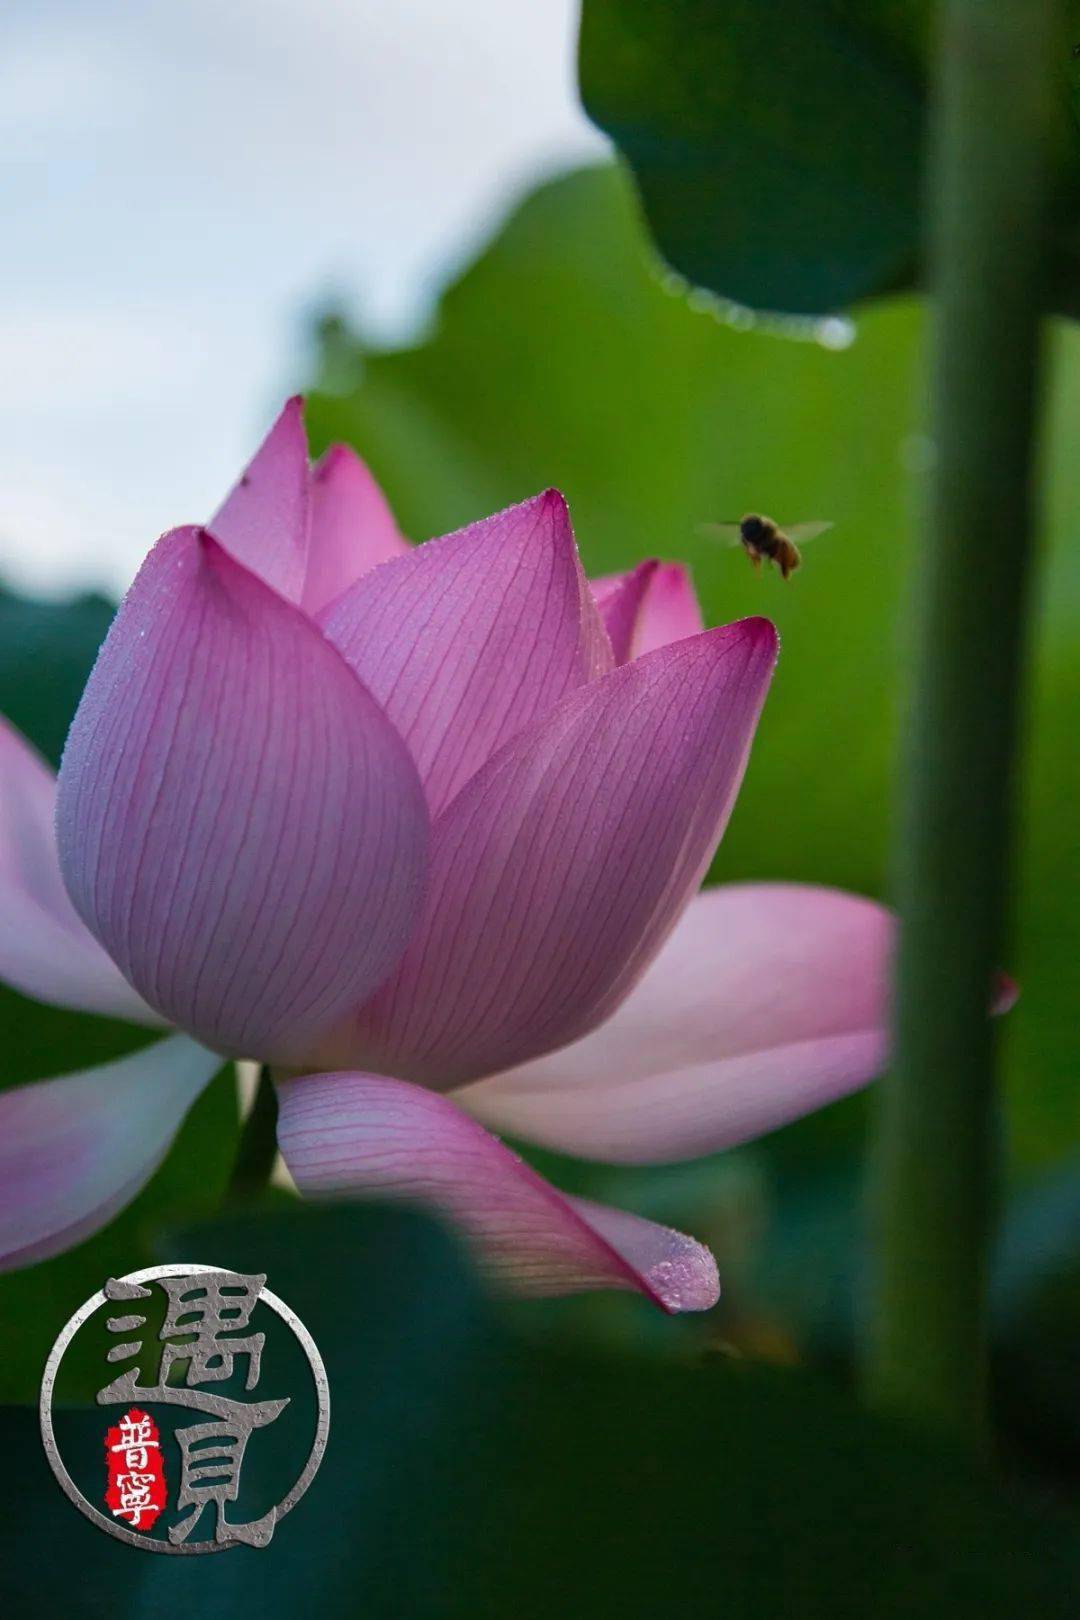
[[265, 519], [363, 1135], [46, 951], [74, 1151], [352, 527], [471, 638], [652, 606], [559, 871], [768, 1001], [238, 823]]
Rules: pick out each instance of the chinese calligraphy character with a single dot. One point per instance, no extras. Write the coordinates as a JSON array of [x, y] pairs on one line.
[[204, 1334], [137, 1436], [208, 1307], [136, 1489]]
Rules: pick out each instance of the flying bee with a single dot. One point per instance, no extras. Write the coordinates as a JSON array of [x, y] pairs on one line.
[[760, 537]]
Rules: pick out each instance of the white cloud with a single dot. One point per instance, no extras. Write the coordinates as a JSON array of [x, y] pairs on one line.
[[179, 182]]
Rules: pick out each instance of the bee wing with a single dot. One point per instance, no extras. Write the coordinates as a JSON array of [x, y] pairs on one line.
[[802, 532], [729, 533]]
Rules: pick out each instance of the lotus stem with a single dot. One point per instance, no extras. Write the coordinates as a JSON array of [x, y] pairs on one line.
[[990, 177], [257, 1148]]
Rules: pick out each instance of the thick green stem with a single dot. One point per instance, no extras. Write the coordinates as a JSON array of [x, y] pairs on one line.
[[257, 1148], [991, 159]]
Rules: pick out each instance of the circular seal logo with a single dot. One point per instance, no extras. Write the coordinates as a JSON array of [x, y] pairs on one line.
[[216, 1409]]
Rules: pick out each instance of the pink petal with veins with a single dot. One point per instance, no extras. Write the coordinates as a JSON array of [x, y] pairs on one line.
[[768, 1001], [74, 1151], [238, 823], [265, 519], [46, 951], [651, 606], [557, 874], [363, 1135], [472, 637], [352, 527]]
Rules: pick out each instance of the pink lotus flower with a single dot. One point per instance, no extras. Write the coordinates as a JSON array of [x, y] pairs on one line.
[[427, 836]]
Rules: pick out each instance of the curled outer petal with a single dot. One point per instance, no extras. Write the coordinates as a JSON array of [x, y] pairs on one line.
[[46, 951], [768, 1001], [238, 823], [363, 1135], [74, 1151]]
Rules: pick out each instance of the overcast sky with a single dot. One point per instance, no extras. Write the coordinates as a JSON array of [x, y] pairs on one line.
[[182, 179]]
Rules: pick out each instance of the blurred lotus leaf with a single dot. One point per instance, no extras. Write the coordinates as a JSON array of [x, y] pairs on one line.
[[468, 1474], [778, 148]]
